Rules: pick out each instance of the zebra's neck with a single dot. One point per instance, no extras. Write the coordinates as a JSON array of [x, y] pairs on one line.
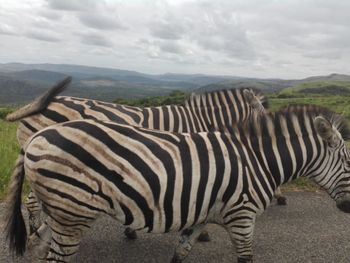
[[220, 108], [285, 146]]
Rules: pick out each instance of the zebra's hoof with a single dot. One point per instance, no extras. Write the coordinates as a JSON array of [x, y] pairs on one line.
[[248, 259], [282, 200], [176, 259], [130, 233], [204, 237]]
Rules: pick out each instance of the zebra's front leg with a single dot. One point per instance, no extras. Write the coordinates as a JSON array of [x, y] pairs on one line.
[[187, 240], [281, 199], [240, 227], [203, 237]]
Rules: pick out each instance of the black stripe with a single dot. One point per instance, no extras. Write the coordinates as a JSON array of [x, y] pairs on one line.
[[175, 117], [245, 104], [110, 115], [232, 184], [166, 120], [190, 127], [145, 118], [259, 155], [54, 115], [231, 111], [122, 109], [129, 218], [220, 168], [217, 109], [186, 161], [223, 110], [239, 113], [183, 120], [295, 144], [156, 119], [306, 142], [281, 143], [268, 151], [196, 121], [209, 110], [28, 126], [204, 172], [78, 108]]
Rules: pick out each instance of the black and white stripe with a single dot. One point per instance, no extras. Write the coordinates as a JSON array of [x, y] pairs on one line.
[[157, 181]]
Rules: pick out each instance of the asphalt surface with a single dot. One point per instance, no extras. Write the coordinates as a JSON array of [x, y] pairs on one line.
[[309, 229]]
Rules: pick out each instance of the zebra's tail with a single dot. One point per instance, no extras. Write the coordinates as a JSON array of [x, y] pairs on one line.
[[39, 103], [15, 229]]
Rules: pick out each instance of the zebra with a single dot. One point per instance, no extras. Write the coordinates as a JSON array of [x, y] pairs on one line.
[[157, 181], [201, 112]]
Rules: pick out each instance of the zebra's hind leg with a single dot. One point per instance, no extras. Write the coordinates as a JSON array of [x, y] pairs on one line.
[[240, 227], [39, 243], [281, 199], [34, 212], [187, 240], [65, 239]]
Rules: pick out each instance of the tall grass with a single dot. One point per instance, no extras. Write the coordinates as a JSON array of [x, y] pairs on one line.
[[9, 149]]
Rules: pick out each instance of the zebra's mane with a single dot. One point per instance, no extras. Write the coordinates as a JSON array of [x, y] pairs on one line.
[[255, 125], [197, 96], [337, 120], [301, 111]]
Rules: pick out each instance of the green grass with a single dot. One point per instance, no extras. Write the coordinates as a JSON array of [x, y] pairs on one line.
[[9, 150], [317, 88]]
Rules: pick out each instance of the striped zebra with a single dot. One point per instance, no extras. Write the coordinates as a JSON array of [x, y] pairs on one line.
[[201, 112], [156, 181]]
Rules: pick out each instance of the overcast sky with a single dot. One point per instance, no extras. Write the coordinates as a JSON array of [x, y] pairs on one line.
[[255, 38]]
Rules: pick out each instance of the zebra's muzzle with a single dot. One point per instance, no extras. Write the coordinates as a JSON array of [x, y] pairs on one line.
[[343, 203]]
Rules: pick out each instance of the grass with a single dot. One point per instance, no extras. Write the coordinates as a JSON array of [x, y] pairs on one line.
[[9, 150], [316, 88]]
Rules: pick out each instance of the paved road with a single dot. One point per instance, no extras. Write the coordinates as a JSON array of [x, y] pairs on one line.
[[309, 229]]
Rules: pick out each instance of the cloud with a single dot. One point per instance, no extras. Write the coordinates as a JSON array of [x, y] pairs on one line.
[[168, 30], [172, 47], [243, 37], [95, 39], [7, 30], [71, 5], [100, 21], [43, 36]]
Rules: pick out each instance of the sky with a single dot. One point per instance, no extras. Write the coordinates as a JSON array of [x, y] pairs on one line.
[[250, 38]]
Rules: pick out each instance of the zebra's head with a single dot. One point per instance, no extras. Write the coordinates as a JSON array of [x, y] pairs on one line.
[[334, 175], [254, 101]]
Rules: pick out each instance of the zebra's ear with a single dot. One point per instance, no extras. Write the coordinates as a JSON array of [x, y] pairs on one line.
[[327, 132], [253, 100]]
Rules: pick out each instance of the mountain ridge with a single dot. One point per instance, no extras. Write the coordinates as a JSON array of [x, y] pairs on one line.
[[20, 83]]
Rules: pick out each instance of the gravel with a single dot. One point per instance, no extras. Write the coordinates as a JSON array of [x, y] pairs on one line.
[[309, 229]]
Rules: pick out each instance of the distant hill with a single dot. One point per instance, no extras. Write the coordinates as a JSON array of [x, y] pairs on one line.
[[20, 83], [334, 87]]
